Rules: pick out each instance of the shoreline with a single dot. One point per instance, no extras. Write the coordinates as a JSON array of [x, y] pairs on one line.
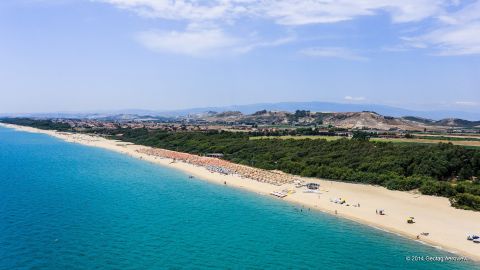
[[447, 227]]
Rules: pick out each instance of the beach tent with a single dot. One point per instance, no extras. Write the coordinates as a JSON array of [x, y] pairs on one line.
[[313, 186]]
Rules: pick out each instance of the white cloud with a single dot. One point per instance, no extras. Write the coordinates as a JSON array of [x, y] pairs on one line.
[[333, 52], [200, 41], [263, 44], [350, 98], [466, 103], [298, 12], [176, 10], [457, 34], [194, 42], [290, 12]]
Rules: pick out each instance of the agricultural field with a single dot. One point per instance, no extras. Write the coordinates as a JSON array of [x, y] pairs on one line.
[[449, 137], [301, 137], [467, 141]]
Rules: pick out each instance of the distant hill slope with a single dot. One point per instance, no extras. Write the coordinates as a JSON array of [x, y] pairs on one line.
[[331, 107], [447, 122], [438, 118], [348, 115], [350, 120], [372, 120], [455, 122]]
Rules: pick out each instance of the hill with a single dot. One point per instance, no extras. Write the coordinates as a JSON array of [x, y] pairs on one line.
[[348, 120], [330, 107], [252, 108]]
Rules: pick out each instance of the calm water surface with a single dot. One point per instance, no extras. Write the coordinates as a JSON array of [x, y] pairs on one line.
[[67, 206]]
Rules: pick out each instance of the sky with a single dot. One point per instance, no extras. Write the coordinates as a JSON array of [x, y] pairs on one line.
[[97, 55]]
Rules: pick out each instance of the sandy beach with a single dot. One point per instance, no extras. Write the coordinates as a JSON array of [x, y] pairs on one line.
[[446, 226]]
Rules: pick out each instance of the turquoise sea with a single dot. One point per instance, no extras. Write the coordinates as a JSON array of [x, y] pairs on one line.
[[67, 206]]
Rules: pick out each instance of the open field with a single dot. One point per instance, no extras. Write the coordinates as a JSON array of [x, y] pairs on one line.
[[455, 142], [303, 137], [448, 137], [460, 135], [470, 142]]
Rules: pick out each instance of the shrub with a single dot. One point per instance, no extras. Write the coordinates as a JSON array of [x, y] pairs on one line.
[[438, 188], [405, 184], [466, 201]]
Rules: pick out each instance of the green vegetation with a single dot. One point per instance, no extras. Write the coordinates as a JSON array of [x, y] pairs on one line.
[[466, 201], [301, 131], [41, 124], [448, 138], [412, 141], [361, 136], [440, 169], [298, 137]]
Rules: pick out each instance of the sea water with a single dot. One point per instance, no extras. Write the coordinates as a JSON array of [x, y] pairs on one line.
[[68, 206]]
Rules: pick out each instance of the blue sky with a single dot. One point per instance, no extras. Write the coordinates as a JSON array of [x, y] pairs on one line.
[[80, 55]]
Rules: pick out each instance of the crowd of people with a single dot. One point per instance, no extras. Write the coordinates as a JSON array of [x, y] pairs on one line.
[[222, 166]]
